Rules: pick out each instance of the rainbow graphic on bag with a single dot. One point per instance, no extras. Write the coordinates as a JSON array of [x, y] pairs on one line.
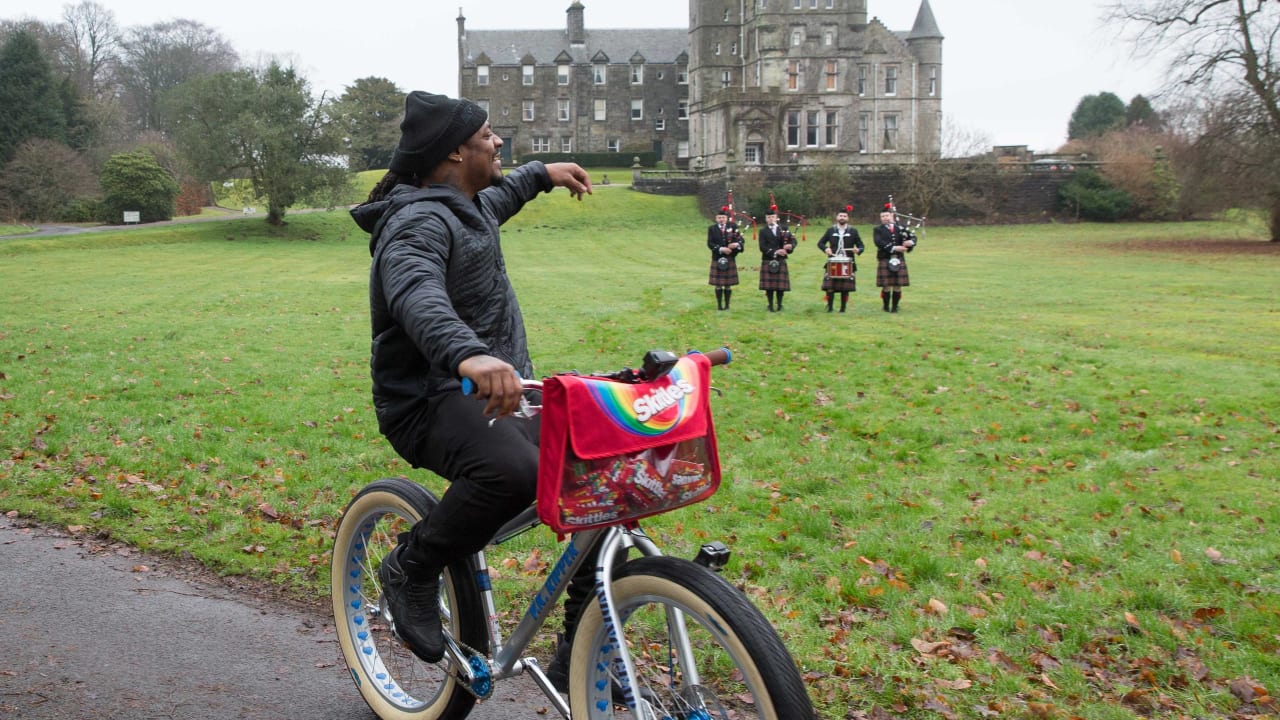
[[649, 409]]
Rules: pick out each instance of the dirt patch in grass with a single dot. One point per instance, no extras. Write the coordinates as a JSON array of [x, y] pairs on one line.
[[1206, 246]]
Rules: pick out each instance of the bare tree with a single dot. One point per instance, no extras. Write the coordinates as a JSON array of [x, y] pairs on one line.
[[91, 47], [157, 58], [1228, 50]]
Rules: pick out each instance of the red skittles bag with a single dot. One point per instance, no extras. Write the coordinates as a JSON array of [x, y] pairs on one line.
[[612, 452]]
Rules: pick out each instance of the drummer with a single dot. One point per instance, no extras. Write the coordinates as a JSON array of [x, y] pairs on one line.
[[842, 245]]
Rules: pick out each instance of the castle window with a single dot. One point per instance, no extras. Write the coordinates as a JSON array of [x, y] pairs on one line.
[[793, 75], [541, 145], [797, 36], [562, 110], [831, 4], [733, 48], [890, 133], [726, 14], [682, 76], [682, 110], [682, 149], [891, 81], [566, 144], [862, 80], [615, 145], [832, 128], [526, 74], [599, 74], [813, 4], [717, 50], [637, 74], [811, 128], [660, 124], [526, 110], [864, 132], [933, 81], [600, 106], [637, 109], [828, 37], [795, 5], [833, 75], [726, 79], [562, 74], [793, 128], [482, 75]]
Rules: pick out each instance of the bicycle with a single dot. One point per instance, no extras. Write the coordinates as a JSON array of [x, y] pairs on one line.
[[678, 640]]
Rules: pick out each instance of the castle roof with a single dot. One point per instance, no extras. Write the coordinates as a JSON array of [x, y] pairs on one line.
[[926, 27], [509, 47]]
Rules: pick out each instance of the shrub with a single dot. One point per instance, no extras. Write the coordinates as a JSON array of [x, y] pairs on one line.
[[43, 180], [134, 181], [1089, 196]]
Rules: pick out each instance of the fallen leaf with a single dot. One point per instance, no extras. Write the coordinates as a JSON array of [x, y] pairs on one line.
[[936, 607], [924, 647]]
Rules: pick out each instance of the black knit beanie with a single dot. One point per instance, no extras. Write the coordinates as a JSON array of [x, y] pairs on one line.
[[433, 127]]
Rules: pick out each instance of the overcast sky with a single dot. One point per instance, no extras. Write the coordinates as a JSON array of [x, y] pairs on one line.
[[1013, 70]]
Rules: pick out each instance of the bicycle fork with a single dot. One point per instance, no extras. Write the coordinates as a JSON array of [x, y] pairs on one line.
[[624, 666]]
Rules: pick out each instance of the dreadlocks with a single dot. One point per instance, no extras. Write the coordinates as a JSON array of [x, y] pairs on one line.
[[389, 181]]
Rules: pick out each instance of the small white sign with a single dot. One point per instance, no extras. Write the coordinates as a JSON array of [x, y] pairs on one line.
[[132, 216]]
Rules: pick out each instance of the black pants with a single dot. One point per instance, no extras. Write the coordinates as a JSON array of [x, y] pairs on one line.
[[492, 472]]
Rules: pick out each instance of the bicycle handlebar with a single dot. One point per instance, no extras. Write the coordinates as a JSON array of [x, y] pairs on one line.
[[720, 356]]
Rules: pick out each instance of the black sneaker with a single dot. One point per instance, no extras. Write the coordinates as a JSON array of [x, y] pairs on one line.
[[413, 601], [558, 670]]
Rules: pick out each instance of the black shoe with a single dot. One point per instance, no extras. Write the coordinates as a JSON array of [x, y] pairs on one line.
[[412, 595], [558, 671]]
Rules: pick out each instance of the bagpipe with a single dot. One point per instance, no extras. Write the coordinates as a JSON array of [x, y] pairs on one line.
[[912, 226], [789, 219]]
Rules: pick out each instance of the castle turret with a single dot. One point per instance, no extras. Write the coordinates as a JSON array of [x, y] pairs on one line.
[[925, 39]]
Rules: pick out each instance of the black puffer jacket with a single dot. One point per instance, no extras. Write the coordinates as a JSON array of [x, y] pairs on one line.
[[439, 293]]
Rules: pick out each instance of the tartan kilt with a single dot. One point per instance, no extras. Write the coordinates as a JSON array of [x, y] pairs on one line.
[[891, 279], [840, 284], [780, 280], [727, 277]]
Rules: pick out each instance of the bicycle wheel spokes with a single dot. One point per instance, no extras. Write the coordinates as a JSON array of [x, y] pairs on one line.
[[394, 682], [735, 667], [714, 686]]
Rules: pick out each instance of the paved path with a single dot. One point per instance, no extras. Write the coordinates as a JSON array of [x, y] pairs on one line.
[[96, 630]]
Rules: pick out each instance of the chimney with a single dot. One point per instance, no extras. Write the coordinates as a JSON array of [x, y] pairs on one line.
[[577, 31]]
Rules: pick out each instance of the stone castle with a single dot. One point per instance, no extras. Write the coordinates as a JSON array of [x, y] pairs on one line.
[[752, 82]]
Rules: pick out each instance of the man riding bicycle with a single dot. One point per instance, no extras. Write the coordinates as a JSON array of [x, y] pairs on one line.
[[443, 309]]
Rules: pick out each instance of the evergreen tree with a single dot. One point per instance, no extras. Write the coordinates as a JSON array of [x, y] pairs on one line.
[[30, 104], [135, 181], [1095, 115], [369, 115]]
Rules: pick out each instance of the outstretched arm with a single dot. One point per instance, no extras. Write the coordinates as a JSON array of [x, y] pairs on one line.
[[572, 176]]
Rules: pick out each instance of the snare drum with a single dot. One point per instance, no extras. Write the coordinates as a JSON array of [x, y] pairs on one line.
[[839, 266]]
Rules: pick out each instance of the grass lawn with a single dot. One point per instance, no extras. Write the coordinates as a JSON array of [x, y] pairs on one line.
[[1048, 487]]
